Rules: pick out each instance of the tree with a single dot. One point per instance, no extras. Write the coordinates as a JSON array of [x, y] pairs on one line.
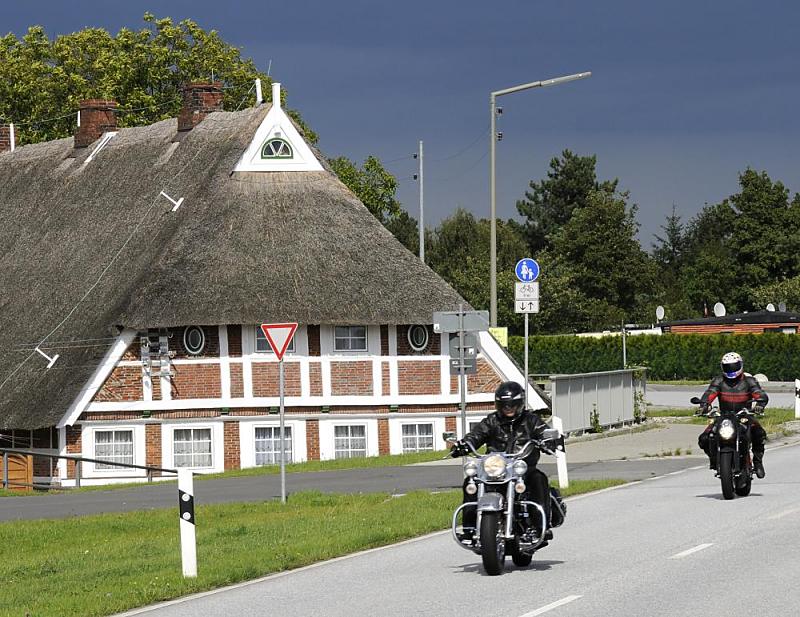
[[372, 184], [42, 82], [550, 203], [668, 253]]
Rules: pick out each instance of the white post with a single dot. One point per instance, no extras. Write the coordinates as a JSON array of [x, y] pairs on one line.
[[525, 377], [276, 94], [421, 205], [561, 457], [13, 140], [283, 438], [259, 95], [186, 508], [797, 398]]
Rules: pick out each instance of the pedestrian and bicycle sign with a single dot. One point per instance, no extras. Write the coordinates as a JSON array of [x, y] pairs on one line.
[[526, 297], [527, 270]]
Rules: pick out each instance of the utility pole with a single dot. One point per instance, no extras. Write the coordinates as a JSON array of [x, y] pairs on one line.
[[420, 176]]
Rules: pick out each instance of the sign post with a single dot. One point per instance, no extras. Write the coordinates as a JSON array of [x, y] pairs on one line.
[[279, 335], [526, 300], [462, 321]]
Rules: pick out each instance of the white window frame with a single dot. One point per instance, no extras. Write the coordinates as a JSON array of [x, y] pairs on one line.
[[275, 428], [351, 338], [258, 335], [350, 437], [87, 446], [247, 439], [192, 428], [416, 436], [427, 337], [101, 468]]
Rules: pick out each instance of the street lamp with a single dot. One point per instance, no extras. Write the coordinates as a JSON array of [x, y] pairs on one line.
[[493, 137]]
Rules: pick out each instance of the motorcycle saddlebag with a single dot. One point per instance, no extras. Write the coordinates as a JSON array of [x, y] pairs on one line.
[[558, 509]]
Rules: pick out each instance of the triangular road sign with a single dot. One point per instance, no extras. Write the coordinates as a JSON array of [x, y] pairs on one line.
[[279, 335]]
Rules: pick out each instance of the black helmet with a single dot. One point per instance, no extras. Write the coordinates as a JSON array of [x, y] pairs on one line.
[[509, 396]]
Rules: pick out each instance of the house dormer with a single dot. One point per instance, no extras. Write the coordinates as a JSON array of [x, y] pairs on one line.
[[277, 144]]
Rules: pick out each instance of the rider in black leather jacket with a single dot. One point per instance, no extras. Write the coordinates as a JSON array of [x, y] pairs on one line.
[[508, 429], [734, 390]]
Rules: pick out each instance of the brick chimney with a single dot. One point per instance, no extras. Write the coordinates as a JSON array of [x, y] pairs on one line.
[[7, 139], [97, 116], [199, 100]]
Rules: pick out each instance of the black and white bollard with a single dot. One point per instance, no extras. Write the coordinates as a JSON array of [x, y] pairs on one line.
[[186, 508]]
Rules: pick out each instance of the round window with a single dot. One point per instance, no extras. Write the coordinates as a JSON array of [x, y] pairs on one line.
[[194, 340], [418, 337]]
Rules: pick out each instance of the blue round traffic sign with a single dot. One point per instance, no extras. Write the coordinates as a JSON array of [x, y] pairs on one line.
[[527, 270]]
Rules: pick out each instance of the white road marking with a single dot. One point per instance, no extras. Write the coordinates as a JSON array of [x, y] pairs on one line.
[[775, 517], [699, 547], [550, 607]]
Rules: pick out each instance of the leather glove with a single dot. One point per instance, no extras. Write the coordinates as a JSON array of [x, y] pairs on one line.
[[758, 410], [459, 449]]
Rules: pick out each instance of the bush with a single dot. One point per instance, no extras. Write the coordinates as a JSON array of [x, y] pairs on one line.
[[669, 356]]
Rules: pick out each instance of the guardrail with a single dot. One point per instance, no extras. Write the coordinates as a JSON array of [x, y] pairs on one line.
[[590, 401], [79, 460]]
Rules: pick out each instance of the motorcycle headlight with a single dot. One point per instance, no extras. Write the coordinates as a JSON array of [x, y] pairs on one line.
[[726, 430], [520, 467], [470, 469], [494, 466]]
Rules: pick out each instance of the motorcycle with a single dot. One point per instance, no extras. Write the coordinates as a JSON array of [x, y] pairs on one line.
[[504, 523], [730, 439]]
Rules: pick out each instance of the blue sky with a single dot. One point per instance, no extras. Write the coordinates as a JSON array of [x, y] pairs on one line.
[[684, 94]]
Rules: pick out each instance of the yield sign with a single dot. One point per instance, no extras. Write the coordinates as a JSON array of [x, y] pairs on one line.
[[279, 336]]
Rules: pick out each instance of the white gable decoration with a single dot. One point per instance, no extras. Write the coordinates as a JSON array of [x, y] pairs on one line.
[[277, 145]]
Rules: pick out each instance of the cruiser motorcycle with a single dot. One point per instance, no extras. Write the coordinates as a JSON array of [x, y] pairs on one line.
[[729, 440], [505, 516]]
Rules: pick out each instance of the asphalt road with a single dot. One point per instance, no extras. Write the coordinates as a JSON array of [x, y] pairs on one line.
[[259, 488], [781, 394], [665, 547]]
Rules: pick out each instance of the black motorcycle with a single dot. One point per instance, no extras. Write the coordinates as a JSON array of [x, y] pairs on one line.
[[729, 443], [505, 516]]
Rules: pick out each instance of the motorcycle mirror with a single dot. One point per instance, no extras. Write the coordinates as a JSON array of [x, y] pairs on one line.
[[550, 433], [694, 400], [449, 436]]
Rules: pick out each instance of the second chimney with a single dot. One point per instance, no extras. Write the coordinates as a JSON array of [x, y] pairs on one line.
[[7, 140], [199, 100], [97, 116]]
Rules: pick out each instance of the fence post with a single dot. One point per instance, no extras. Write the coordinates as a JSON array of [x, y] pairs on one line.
[[5, 470], [187, 523], [77, 474], [561, 457]]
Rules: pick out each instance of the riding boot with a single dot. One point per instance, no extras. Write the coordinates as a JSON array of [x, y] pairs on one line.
[[758, 464]]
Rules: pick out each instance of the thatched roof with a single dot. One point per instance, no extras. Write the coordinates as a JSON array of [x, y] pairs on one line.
[[242, 248]]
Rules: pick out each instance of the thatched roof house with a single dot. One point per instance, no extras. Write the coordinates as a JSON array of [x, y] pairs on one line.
[[90, 246]]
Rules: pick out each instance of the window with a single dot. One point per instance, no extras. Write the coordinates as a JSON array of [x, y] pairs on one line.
[[350, 338], [418, 337], [350, 441], [276, 148], [417, 437], [268, 445], [192, 447], [263, 346], [116, 446], [194, 340]]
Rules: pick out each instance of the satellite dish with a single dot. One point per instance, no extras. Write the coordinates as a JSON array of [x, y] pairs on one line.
[[782, 307], [719, 309], [771, 307], [659, 312]]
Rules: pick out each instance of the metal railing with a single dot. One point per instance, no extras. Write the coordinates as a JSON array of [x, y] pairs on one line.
[[79, 460]]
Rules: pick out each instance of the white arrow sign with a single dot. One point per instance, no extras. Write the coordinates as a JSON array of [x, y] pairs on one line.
[[526, 306]]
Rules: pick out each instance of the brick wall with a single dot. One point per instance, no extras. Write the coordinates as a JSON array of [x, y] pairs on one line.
[[152, 446], [485, 380], [237, 380], [313, 340], [351, 377], [199, 100], [196, 381], [235, 341], [315, 377], [98, 116], [123, 384], [450, 424], [384, 340], [5, 137], [383, 436], [404, 348], [312, 439], [73, 447], [386, 383], [418, 377], [156, 381], [266, 377], [232, 447], [211, 349]]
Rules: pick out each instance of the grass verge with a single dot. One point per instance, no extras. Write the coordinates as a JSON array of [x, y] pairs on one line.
[[99, 565], [773, 419]]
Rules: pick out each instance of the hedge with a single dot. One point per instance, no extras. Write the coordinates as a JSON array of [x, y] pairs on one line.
[[669, 356]]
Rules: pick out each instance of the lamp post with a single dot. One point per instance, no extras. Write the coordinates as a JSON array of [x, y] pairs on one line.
[[493, 138]]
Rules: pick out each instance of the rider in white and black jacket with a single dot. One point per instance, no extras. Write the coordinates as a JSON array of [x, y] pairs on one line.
[[508, 429]]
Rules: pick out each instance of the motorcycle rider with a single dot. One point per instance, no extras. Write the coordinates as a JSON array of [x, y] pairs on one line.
[[507, 430], [734, 389]]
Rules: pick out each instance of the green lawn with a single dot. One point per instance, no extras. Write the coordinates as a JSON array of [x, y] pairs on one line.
[[99, 565], [772, 421]]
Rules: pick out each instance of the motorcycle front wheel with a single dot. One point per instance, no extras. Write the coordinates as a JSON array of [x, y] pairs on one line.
[[493, 547], [745, 481], [726, 474]]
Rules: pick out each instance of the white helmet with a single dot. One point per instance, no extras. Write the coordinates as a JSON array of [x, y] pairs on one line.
[[732, 365]]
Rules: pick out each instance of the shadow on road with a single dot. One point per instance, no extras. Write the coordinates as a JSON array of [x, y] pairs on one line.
[[536, 566], [719, 497]]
